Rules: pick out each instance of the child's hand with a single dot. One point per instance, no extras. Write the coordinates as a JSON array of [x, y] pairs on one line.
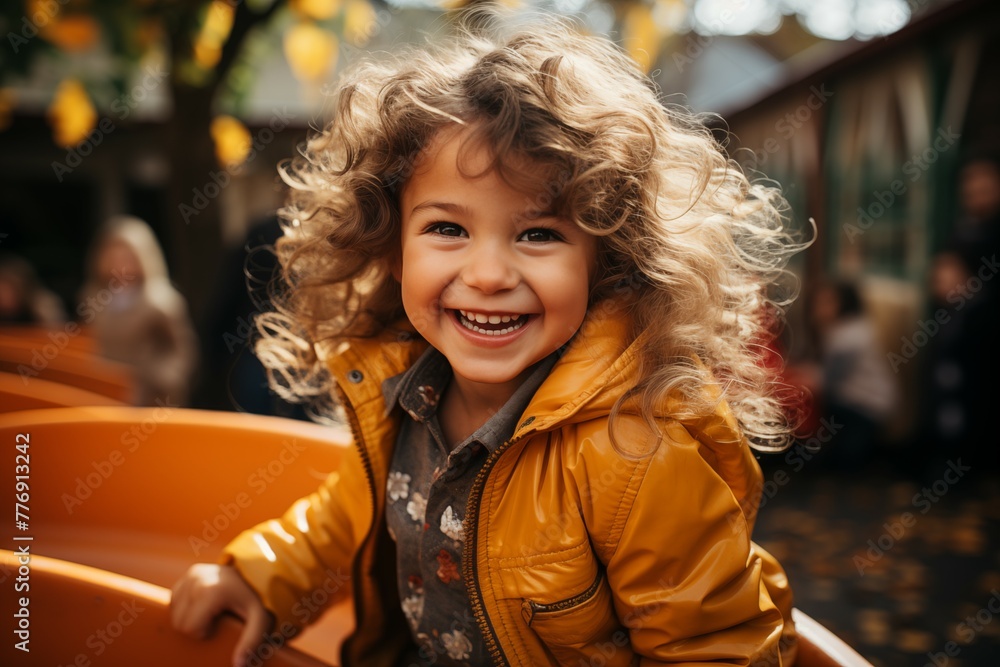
[[206, 591]]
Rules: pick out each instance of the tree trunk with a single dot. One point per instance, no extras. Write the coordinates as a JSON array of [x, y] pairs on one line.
[[196, 181]]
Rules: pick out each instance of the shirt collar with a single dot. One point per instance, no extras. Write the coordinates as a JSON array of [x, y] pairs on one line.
[[418, 390]]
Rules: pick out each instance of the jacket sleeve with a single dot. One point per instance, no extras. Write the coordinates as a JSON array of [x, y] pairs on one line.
[[310, 548], [685, 578]]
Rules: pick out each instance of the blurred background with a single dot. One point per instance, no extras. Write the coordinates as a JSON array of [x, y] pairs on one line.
[[139, 144]]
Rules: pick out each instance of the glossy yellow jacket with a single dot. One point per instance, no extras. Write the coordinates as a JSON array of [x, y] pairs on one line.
[[577, 552]]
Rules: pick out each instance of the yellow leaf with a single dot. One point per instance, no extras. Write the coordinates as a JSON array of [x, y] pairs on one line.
[[359, 22], [640, 35], [317, 10], [311, 51], [41, 12], [218, 21], [75, 32], [206, 54], [232, 141], [71, 114], [213, 34]]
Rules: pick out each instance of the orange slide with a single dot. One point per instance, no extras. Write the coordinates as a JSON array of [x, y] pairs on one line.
[[118, 503]]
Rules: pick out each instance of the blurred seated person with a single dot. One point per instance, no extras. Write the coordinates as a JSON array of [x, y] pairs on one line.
[[23, 298], [137, 316], [856, 388]]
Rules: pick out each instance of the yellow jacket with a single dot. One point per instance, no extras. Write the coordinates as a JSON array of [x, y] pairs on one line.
[[582, 553]]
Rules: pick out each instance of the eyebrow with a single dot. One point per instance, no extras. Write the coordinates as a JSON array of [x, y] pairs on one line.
[[444, 206], [461, 209]]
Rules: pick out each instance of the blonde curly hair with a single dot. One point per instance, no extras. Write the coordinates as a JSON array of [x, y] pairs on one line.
[[690, 247]]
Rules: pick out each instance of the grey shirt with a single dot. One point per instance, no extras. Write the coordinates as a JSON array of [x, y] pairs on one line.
[[426, 497]]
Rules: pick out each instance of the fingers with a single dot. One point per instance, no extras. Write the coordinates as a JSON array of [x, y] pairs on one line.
[[195, 601], [257, 624], [206, 591]]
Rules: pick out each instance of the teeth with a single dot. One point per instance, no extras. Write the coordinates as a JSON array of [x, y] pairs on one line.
[[483, 318], [469, 320]]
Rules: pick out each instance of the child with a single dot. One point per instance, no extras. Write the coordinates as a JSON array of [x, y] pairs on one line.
[[529, 288], [137, 316], [856, 386]]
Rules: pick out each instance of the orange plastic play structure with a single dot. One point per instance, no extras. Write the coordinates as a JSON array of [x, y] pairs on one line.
[[66, 356], [122, 500], [110, 619], [20, 393]]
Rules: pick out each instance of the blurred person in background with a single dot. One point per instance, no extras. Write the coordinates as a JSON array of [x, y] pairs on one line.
[[137, 316], [977, 232], [23, 298], [855, 387], [959, 370], [961, 363]]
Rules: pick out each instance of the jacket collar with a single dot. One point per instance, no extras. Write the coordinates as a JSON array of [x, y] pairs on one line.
[[596, 370]]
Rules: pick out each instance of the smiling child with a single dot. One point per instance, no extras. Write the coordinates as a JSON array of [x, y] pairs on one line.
[[532, 291]]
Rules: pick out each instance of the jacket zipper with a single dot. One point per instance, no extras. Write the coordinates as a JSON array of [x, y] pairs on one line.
[[355, 427], [472, 547]]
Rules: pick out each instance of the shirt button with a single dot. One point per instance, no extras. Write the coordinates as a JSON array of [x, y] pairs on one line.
[[355, 376]]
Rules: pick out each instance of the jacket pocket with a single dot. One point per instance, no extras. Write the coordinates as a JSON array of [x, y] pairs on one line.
[[581, 626]]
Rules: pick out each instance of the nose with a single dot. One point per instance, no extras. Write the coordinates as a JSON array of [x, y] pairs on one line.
[[490, 269]]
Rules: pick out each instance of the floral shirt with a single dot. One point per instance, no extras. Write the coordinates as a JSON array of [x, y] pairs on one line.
[[426, 496]]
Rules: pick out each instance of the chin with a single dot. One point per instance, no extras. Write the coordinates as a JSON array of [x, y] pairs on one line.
[[486, 376]]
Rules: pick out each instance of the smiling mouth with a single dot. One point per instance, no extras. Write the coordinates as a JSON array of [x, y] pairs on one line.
[[491, 324]]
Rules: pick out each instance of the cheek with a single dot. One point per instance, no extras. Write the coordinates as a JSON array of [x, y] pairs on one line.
[[423, 285], [569, 292]]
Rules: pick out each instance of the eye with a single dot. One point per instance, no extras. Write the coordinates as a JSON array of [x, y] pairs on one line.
[[445, 229], [540, 235]]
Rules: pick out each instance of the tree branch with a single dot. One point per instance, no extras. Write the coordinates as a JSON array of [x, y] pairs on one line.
[[243, 22]]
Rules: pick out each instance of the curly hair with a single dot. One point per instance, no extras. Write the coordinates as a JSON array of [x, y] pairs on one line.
[[685, 240]]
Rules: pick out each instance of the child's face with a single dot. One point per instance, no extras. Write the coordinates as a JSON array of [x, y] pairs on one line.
[[494, 289], [118, 260]]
